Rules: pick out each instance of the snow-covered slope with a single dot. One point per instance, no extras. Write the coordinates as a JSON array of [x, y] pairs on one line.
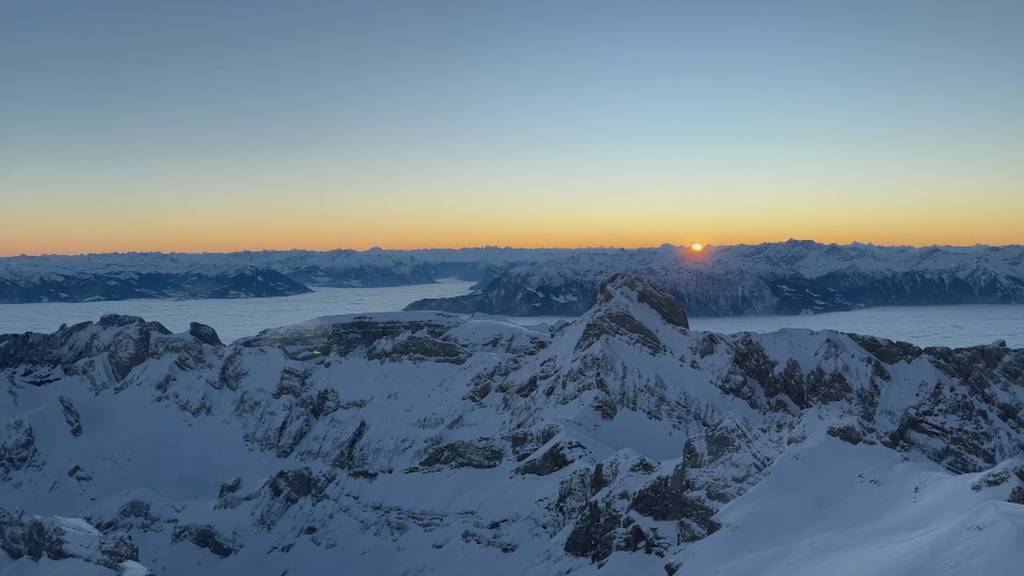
[[426, 443]]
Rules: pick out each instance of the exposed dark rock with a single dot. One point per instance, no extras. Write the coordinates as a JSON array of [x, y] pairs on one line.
[[667, 499], [360, 333], [601, 530], [558, 456], [46, 537], [647, 292], [996, 477], [204, 334], [134, 515], [846, 434], [964, 363], [136, 509], [205, 536], [425, 348], [30, 536], [293, 485], [888, 351], [79, 473], [492, 541], [526, 442], [791, 382], [597, 479], [752, 361], [228, 495], [70, 416], [619, 324], [287, 488], [1016, 495], [479, 392], [125, 339], [17, 448], [643, 466], [707, 345], [824, 388], [606, 407], [960, 449], [129, 349], [117, 549], [527, 388], [593, 535], [462, 454], [347, 458], [228, 488], [231, 372]]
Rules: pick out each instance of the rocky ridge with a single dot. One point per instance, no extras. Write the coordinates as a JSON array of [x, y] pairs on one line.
[[422, 441]]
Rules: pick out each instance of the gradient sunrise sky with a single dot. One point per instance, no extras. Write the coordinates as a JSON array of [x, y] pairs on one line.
[[191, 126]]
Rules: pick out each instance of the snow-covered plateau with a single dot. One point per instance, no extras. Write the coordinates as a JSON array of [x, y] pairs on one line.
[[621, 442]]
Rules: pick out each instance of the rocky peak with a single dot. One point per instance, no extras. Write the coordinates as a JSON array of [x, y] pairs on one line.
[[632, 308], [125, 340], [628, 291], [204, 334], [121, 320]]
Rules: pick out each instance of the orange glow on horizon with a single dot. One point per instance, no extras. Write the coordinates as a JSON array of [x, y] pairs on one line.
[[428, 241], [227, 227]]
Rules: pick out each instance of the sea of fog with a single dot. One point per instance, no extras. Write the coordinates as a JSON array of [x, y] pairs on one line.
[[923, 325], [963, 325], [231, 318]]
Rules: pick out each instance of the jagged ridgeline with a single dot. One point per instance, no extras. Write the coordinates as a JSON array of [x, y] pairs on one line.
[[774, 278], [422, 442]]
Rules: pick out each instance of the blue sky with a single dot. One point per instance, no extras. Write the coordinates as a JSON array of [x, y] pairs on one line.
[[226, 125]]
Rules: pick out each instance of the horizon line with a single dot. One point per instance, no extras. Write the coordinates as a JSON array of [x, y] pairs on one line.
[[490, 247]]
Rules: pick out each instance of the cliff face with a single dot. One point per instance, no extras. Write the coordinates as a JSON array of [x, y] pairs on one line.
[[423, 442]]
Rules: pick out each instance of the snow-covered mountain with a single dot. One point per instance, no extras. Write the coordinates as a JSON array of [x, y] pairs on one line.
[[782, 278], [786, 278], [241, 274], [426, 443], [124, 284]]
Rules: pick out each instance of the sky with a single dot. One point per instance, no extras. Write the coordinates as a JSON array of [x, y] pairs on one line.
[[218, 126]]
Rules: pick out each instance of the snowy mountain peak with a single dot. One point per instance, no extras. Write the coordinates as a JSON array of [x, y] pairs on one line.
[[637, 310], [407, 443], [627, 292]]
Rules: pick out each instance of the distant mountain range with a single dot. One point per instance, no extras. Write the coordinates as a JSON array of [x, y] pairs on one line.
[[426, 443], [777, 278]]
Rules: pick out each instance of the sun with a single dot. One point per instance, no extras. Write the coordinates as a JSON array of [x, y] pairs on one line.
[[696, 247]]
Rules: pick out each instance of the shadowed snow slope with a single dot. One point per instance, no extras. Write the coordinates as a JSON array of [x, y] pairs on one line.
[[427, 443]]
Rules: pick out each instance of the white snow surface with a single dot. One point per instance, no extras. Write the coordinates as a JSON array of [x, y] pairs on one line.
[[831, 508], [428, 443]]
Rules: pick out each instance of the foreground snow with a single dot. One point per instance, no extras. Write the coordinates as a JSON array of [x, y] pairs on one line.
[[426, 443]]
